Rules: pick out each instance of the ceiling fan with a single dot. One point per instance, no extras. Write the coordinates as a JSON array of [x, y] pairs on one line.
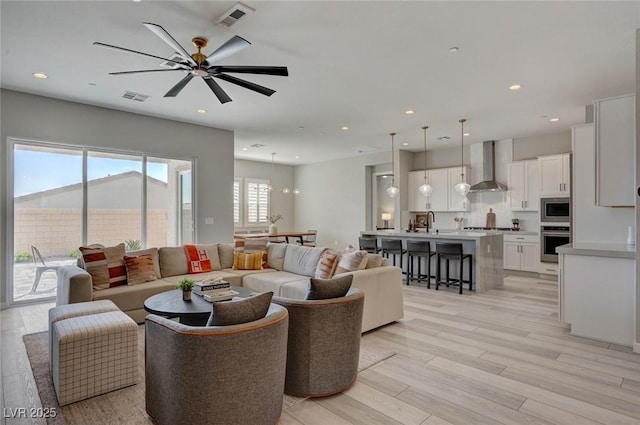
[[199, 65]]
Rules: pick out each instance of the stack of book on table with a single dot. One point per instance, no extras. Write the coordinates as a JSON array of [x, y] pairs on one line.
[[214, 291]]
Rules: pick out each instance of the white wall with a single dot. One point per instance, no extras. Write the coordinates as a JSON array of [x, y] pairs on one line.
[[547, 144], [592, 223], [338, 207], [283, 176], [30, 117]]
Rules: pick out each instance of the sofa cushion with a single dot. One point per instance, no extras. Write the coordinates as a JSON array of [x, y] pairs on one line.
[[327, 264], [373, 261], [240, 311], [129, 298], [154, 255], [105, 265], [173, 261], [352, 260], [264, 282], [302, 260], [247, 261], [275, 255], [214, 255], [139, 269], [322, 289], [225, 251]]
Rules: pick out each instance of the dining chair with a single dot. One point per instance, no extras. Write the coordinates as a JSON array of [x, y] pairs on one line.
[[311, 239]]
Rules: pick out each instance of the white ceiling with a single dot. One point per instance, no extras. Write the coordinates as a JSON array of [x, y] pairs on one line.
[[360, 64]]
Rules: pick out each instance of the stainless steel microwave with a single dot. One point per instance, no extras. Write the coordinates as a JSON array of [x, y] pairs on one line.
[[555, 210]]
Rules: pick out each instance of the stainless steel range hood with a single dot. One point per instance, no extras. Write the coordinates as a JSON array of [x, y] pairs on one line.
[[489, 182]]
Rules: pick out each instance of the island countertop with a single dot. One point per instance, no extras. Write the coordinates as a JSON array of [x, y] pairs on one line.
[[485, 246], [595, 249]]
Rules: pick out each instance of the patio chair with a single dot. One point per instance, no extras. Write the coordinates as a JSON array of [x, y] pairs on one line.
[[41, 267]]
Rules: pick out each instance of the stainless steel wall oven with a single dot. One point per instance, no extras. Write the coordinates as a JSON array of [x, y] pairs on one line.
[[552, 237]]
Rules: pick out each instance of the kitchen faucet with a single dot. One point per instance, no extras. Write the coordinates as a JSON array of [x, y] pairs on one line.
[[427, 221]]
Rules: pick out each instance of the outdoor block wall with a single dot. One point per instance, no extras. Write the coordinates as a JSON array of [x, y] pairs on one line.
[[58, 231]]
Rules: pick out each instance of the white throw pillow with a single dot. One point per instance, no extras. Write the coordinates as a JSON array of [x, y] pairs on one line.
[[352, 260]]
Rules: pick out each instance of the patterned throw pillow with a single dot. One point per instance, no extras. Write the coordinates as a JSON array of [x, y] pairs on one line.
[[352, 260], [327, 264], [249, 261], [198, 259], [257, 245], [240, 311], [323, 289], [140, 269], [105, 265]]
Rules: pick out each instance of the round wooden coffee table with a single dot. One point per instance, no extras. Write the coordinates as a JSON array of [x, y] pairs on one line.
[[193, 313]]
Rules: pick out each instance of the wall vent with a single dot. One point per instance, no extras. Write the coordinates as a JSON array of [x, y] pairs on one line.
[[366, 149], [443, 138], [137, 97], [233, 15], [257, 145]]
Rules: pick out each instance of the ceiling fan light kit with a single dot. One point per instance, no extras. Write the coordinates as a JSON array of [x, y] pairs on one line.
[[199, 65]]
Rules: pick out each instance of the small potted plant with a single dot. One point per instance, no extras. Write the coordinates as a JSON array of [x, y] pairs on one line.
[[273, 219], [186, 285], [516, 224]]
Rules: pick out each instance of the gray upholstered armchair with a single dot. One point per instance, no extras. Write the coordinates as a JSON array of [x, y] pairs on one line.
[[324, 344], [216, 374]]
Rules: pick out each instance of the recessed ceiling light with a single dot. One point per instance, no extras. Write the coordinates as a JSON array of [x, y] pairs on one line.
[[385, 176], [297, 157], [40, 75], [515, 87], [344, 128], [202, 111], [453, 49], [554, 119], [301, 127], [405, 144], [409, 112], [467, 134], [245, 149]]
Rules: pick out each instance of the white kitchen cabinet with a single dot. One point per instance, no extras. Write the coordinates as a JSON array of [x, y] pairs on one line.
[[523, 181], [555, 175], [443, 197], [457, 202], [521, 252], [615, 133]]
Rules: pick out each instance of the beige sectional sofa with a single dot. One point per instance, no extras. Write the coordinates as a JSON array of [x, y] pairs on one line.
[[290, 268]]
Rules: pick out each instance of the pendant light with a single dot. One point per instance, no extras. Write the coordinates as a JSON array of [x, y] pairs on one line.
[[463, 187], [392, 190], [425, 189], [270, 186]]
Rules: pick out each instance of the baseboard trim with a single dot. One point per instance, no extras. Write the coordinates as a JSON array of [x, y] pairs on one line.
[[636, 347]]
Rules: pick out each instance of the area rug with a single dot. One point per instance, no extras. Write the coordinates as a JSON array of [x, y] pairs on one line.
[[126, 406]]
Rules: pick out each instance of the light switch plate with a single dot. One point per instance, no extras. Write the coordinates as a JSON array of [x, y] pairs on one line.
[[208, 220]]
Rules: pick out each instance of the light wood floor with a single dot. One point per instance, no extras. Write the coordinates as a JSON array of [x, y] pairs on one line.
[[494, 358]]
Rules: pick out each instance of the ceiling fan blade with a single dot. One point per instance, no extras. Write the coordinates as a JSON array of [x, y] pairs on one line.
[[232, 46], [178, 87], [166, 37], [222, 96], [144, 70], [123, 49], [246, 84], [266, 70]]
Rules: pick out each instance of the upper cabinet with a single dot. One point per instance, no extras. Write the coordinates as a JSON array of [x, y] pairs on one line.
[[523, 181], [555, 175], [443, 197], [615, 155]]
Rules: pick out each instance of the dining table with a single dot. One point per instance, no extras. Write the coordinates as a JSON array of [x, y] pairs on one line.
[[286, 235]]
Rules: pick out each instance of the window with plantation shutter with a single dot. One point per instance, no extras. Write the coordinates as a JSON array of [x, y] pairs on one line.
[[257, 205], [237, 184]]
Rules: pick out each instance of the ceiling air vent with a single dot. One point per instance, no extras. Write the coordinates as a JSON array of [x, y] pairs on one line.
[[135, 96], [170, 64], [233, 15]]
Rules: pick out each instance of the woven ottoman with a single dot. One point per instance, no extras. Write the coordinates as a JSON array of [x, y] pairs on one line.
[[74, 310], [93, 354]]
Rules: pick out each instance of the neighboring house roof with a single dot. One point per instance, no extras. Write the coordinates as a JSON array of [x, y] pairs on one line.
[[76, 186]]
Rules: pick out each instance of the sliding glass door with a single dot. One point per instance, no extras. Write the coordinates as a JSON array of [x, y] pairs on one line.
[[68, 196]]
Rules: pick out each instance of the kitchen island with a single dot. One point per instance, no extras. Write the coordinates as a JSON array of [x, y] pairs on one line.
[[485, 246]]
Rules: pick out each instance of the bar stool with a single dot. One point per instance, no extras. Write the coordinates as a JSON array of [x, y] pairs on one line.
[[393, 247], [452, 251], [369, 244], [419, 249]]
